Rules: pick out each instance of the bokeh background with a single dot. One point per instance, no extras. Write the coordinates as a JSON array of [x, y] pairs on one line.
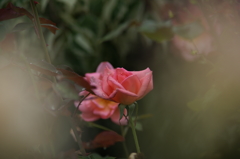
[[192, 47]]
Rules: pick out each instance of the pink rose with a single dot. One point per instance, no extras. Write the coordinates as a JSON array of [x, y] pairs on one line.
[[94, 108], [120, 85]]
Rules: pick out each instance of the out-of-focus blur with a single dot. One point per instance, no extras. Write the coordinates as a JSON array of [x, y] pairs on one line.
[[193, 48]]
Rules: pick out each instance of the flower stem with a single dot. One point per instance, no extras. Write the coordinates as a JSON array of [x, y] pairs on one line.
[[134, 134], [78, 137], [39, 30], [124, 143]]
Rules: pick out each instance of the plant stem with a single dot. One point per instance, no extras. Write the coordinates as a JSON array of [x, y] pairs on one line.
[[39, 30], [32, 78], [78, 137], [124, 143], [134, 134], [91, 124]]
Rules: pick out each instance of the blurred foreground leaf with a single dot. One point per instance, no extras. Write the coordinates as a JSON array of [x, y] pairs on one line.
[[201, 103], [3, 31], [7, 44], [43, 67], [21, 26], [190, 30], [66, 90], [156, 31], [77, 79], [10, 12]]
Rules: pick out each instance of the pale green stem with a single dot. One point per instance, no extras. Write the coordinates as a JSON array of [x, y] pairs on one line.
[[98, 126], [124, 143], [32, 79], [134, 134], [37, 24], [39, 29]]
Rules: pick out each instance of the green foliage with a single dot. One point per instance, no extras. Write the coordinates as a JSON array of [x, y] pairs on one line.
[[95, 156], [157, 31], [92, 28]]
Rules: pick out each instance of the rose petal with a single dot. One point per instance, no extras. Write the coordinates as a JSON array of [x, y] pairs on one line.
[[121, 74], [114, 84], [103, 65], [89, 117], [132, 84], [102, 103], [105, 86], [86, 106], [89, 76], [147, 85], [142, 73], [93, 79], [123, 96], [104, 113]]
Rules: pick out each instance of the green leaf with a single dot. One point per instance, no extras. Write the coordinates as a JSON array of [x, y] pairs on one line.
[[115, 33], [107, 9], [84, 43], [69, 4], [156, 31], [138, 126], [190, 30], [131, 109], [121, 109]]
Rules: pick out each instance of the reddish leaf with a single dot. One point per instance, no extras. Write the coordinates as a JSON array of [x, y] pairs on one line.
[[50, 27], [77, 79], [8, 43], [104, 139], [63, 110], [35, 2], [9, 13], [46, 21], [48, 24], [12, 11], [42, 70], [43, 67], [42, 86], [21, 11]]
